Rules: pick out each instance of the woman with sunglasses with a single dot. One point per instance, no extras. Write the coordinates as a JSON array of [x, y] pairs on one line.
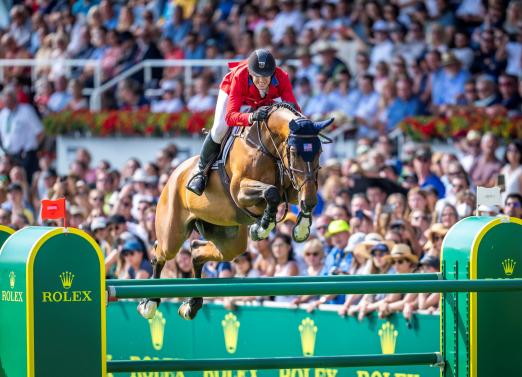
[[403, 261], [435, 235], [379, 262]]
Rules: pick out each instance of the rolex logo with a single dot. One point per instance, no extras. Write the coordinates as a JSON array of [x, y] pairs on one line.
[[308, 331], [509, 266], [66, 278], [231, 331], [388, 336], [12, 279], [157, 329]]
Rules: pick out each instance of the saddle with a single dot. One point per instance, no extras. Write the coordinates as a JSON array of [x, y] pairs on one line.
[[220, 164]]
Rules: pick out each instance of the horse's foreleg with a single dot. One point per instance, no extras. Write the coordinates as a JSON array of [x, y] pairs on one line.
[[202, 252], [252, 193]]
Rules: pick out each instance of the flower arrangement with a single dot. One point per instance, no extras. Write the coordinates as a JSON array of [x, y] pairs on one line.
[[126, 123], [443, 128]]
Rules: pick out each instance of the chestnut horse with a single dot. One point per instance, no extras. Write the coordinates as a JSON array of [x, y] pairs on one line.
[[268, 162]]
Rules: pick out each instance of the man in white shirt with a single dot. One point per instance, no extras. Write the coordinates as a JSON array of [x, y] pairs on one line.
[[287, 17], [367, 106], [21, 132], [60, 98], [170, 102], [201, 101]]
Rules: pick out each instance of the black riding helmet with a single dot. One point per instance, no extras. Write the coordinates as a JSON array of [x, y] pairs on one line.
[[261, 63]]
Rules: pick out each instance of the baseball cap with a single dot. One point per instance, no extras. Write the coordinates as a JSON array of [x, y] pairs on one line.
[[337, 226], [131, 245]]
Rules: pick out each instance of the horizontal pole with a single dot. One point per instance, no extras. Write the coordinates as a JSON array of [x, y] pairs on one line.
[[119, 366], [290, 288], [290, 279]]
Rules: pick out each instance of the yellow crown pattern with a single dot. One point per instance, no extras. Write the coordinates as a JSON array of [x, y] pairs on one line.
[[388, 336], [157, 330], [231, 331], [509, 266], [66, 278], [12, 279], [308, 331]]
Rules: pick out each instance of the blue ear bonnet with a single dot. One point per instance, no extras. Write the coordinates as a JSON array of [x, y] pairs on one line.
[[304, 137]]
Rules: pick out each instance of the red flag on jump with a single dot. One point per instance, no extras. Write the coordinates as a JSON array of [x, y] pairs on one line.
[[54, 209]]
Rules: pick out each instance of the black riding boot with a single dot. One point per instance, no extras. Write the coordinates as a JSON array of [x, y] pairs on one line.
[[209, 153]]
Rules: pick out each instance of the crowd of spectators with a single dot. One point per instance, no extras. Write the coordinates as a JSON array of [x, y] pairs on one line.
[[372, 63]]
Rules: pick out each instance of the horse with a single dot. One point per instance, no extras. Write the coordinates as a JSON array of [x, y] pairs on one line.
[[270, 162]]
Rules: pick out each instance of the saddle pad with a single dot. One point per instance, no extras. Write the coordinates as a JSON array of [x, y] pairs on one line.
[[229, 140]]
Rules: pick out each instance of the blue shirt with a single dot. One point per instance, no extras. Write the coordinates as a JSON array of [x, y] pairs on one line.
[[433, 180], [400, 109], [448, 88], [337, 260]]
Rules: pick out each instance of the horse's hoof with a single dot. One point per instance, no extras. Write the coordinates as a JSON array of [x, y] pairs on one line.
[[301, 231], [147, 308], [190, 308], [257, 232]]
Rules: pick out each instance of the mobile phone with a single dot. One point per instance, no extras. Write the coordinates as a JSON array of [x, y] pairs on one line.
[[501, 182]]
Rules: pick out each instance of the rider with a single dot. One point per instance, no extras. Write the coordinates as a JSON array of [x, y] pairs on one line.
[[251, 85]]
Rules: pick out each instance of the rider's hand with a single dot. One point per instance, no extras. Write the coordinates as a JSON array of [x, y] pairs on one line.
[[259, 115]]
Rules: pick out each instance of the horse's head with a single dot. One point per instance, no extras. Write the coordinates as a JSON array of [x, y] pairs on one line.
[[303, 151]]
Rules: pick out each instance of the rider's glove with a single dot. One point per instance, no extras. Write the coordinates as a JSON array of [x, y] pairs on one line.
[[259, 115]]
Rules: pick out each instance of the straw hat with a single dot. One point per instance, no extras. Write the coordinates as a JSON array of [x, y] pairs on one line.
[[449, 58], [403, 251], [371, 240], [436, 228]]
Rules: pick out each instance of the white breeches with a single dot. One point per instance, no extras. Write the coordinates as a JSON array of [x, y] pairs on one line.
[[220, 128]]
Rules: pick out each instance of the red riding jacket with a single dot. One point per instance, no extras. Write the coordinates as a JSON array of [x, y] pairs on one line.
[[241, 91]]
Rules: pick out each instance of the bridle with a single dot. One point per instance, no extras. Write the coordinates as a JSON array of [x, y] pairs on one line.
[[284, 160]]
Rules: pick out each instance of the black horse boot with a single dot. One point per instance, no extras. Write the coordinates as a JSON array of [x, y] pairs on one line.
[[209, 153]]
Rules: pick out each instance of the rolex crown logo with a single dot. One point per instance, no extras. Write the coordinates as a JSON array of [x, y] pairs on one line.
[[509, 266], [157, 330], [67, 278], [388, 336], [12, 279], [308, 331], [231, 331]]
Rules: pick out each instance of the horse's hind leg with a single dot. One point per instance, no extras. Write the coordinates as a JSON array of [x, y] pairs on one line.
[[202, 252], [227, 242], [147, 307]]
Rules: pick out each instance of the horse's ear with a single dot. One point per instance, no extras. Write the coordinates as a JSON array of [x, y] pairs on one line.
[[319, 126]]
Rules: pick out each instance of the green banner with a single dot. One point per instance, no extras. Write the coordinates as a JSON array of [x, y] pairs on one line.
[[255, 331]]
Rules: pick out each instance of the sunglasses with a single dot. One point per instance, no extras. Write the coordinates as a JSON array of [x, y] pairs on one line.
[[437, 238], [128, 253], [312, 254], [379, 253], [97, 199], [400, 261], [419, 218], [322, 227]]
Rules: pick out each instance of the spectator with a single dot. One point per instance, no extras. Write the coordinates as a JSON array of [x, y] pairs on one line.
[[383, 48], [201, 101], [488, 60], [403, 262], [21, 132], [330, 63], [177, 28], [130, 96], [171, 101], [306, 69], [60, 99], [487, 92], [265, 262], [513, 205], [288, 16], [243, 266], [512, 169], [510, 99], [77, 101], [406, 104], [367, 106], [485, 169], [426, 177]]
